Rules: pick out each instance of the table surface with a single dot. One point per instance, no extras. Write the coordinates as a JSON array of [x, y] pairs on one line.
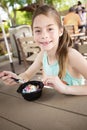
[[77, 35], [52, 111]]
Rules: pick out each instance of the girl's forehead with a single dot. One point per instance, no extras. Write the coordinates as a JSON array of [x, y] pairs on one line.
[[44, 20]]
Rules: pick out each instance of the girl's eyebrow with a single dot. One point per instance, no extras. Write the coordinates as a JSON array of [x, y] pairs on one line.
[[47, 26], [37, 27]]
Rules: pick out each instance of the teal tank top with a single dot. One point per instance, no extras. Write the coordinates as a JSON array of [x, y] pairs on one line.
[[54, 70]]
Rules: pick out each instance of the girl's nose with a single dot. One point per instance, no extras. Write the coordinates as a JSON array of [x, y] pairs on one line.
[[44, 35]]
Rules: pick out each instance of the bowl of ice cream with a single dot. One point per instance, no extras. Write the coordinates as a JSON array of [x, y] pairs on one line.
[[31, 90]]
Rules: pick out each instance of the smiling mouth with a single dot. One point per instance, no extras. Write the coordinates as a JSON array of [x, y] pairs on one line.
[[45, 43]]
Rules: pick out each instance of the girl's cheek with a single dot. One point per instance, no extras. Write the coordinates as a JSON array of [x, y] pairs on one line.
[[35, 38]]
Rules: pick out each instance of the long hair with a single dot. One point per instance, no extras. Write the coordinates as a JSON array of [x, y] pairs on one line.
[[64, 41]]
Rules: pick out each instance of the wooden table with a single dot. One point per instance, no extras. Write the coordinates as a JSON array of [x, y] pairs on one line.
[[77, 37], [52, 111]]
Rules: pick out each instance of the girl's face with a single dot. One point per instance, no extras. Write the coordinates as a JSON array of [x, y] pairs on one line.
[[46, 32]]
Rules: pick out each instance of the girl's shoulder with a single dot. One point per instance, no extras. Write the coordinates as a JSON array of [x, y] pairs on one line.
[[74, 56], [73, 52], [77, 61]]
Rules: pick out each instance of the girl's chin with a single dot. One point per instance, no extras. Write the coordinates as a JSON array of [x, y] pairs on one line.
[[47, 48]]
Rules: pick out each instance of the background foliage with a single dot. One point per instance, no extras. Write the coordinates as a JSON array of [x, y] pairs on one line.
[[18, 17]]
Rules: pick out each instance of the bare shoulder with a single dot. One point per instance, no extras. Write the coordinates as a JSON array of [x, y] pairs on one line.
[[73, 53], [75, 57], [77, 60]]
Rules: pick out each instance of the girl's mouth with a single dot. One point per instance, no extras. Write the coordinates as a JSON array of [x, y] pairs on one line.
[[45, 43]]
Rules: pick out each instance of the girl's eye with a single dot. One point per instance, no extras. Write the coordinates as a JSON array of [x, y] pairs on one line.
[[37, 31], [50, 29]]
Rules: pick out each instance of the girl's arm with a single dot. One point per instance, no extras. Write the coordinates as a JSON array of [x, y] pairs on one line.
[[58, 85], [31, 71], [79, 64], [6, 76]]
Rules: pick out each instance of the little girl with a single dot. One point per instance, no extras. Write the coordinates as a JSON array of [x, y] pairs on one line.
[[64, 68]]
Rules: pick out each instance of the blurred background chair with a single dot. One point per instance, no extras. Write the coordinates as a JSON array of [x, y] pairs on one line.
[[70, 29], [83, 39], [82, 49], [77, 38], [15, 33], [28, 50]]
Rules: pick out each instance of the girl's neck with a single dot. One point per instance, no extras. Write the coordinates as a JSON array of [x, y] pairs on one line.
[[51, 56], [52, 52]]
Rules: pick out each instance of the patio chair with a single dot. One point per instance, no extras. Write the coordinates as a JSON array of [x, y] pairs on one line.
[[77, 38], [28, 50], [70, 29], [18, 32], [82, 49], [83, 39]]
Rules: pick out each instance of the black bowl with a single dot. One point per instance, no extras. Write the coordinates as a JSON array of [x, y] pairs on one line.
[[32, 95]]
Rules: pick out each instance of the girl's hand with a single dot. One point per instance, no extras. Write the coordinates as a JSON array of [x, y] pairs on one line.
[[55, 82], [6, 76]]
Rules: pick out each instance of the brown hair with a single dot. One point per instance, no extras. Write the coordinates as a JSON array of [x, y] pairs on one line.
[[64, 41]]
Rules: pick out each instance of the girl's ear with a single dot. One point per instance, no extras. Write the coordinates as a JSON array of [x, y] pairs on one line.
[[61, 32]]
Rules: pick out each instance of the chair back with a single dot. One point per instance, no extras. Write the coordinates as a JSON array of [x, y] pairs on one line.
[[70, 29], [17, 32], [27, 48], [82, 48]]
